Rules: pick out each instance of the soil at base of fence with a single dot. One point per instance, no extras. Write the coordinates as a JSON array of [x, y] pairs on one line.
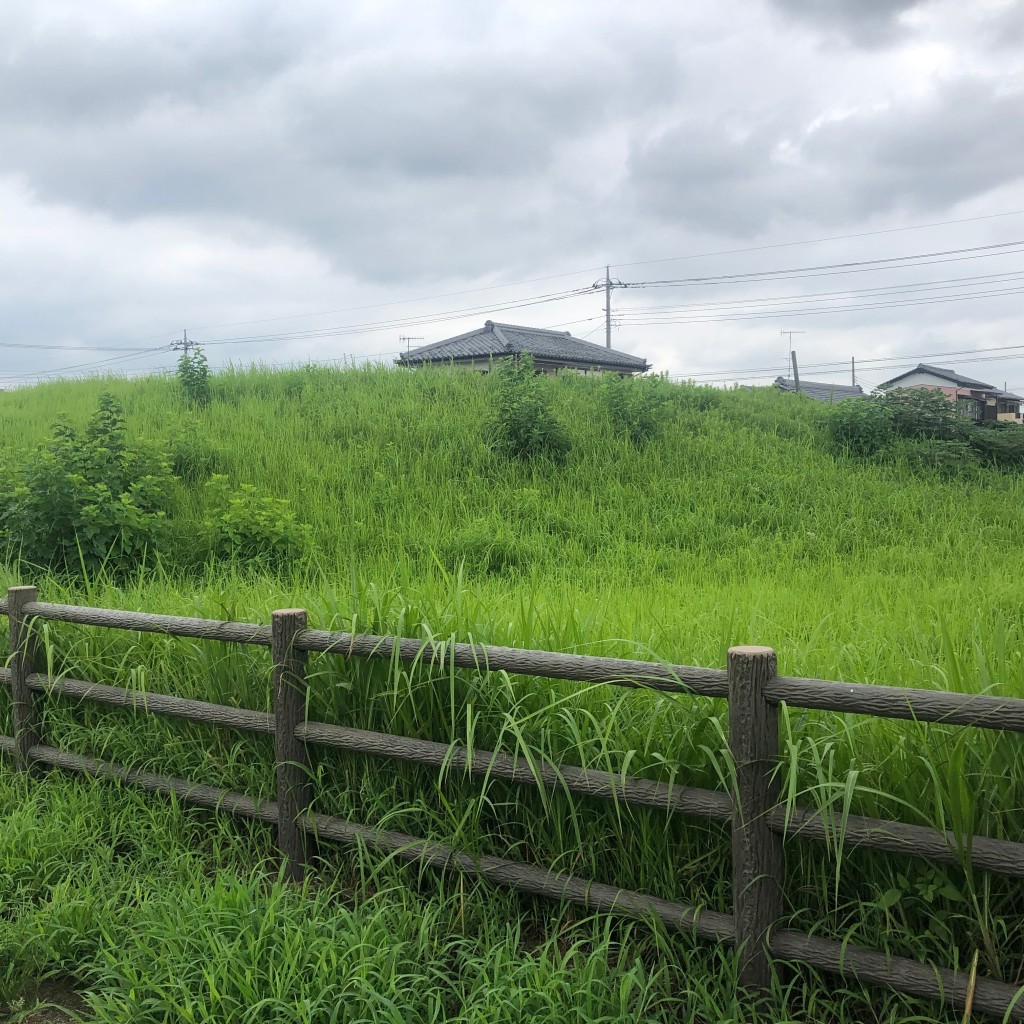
[[55, 1001]]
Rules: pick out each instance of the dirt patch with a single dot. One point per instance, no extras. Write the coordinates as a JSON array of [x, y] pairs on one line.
[[51, 1002]]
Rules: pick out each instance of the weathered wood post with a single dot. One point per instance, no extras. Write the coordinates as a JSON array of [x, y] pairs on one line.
[[24, 718], [757, 861], [293, 786]]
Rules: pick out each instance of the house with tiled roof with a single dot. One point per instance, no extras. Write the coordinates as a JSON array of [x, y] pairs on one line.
[[820, 392], [977, 400], [551, 351]]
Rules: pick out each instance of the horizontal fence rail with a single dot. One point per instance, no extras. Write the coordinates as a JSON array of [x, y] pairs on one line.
[[761, 821]]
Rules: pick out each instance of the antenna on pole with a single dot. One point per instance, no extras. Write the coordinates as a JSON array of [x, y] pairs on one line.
[[608, 283], [790, 334], [408, 339]]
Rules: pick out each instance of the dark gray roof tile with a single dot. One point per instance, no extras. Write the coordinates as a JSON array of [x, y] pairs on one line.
[[498, 340], [821, 392]]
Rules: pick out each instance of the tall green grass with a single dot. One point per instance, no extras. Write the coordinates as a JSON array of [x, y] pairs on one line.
[[734, 525]]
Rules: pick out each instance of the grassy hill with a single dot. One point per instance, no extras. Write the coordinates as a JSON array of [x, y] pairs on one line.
[[734, 524]]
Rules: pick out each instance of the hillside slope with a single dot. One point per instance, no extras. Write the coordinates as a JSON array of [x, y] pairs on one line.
[[734, 524]]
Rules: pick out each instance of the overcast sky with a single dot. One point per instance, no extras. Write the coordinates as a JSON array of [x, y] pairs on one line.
[[253, 169]]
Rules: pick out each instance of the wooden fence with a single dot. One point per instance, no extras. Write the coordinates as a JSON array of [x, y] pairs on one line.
[[760, 822]]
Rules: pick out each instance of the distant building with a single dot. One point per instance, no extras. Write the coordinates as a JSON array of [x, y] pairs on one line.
[[979, 401], [821, 392], [551, 351]]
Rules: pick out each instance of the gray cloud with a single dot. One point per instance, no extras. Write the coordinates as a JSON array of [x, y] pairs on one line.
[[964, 141], [916, 157], [865, 23]]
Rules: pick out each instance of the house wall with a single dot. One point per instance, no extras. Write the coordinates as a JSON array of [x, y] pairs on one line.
[[926, 380]]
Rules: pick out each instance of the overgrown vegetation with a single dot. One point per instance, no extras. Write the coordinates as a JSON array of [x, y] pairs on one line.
[[734, 523], [524, 425], [194, 376], [923, 430], [252, 528], [87, 499], [95, 501], [636, 405]]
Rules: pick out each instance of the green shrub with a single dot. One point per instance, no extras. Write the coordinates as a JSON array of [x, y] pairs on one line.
[[252, 527], [87, 500], [921, 454], [1000, 445], [636, 405], [925, 414], [194, 377], [860, 426], [523, 425]]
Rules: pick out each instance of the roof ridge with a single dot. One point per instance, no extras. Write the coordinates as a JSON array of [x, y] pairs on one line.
[[443, 341], [952, 376], [496, 329]]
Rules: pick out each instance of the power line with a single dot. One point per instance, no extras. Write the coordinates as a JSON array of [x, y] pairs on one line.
[[976, 252], [635, 263], [829, 238], [950, 284], [760, 315], [878, 362], [113, 360], [373, 326]]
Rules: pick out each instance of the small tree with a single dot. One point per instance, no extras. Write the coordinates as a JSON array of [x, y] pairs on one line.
[[922, 413], [87, 500], [194, 376], [523, 425]]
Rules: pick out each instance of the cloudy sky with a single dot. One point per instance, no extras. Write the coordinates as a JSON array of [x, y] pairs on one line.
[[315, 180]]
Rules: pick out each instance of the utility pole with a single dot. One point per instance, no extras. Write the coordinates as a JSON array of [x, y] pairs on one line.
[[796, 372], [608, 284], [408, 339], [853, 371], [184, 345]]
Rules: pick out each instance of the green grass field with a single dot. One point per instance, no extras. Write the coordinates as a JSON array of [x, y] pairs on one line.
[[734, 525]]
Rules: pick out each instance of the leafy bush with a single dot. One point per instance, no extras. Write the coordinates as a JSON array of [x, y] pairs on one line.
[[84, 501], [253, 527], [523, 425], [860, 426], [1000, 445], [194, 377], [947, 458], [636, 405], [925, 414], [192, 459]]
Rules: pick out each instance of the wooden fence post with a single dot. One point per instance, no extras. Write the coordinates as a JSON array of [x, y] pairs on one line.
[[757, 860], [293, 786], [24, 720]]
